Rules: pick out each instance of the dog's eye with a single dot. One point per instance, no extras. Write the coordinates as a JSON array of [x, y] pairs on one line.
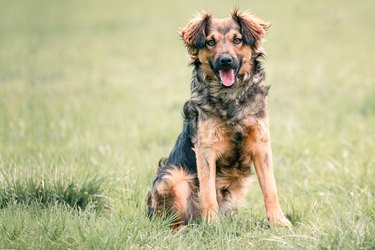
[[237, 40], [211, 42]]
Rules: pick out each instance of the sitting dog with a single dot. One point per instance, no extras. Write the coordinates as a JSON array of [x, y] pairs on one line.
[[225, 128]]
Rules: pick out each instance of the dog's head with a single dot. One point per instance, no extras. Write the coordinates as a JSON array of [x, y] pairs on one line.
[[223, 48]]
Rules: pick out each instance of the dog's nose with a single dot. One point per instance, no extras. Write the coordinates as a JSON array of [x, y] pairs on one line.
[[225, 60]]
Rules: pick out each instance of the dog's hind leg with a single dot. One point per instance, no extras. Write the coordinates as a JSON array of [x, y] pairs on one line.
[[175, 194]]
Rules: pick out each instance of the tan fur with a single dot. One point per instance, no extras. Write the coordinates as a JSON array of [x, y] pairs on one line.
[[179, 182], [178, 192], [212, 143], [253, 25], [195, 29]]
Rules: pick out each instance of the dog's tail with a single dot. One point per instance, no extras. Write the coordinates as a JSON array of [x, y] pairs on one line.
[[162, 163]]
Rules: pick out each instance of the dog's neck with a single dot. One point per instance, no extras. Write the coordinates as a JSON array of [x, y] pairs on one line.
[[245, 98]]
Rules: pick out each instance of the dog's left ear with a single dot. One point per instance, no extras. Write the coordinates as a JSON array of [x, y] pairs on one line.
[[253, 29]]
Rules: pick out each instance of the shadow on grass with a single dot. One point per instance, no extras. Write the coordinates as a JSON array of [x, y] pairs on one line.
[[88, 195]]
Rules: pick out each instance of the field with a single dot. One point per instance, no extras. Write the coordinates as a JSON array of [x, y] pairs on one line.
[[91, 94]]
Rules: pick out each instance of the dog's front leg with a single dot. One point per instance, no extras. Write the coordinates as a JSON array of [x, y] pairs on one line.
[[262, 157], [206, 164], [209, 136]]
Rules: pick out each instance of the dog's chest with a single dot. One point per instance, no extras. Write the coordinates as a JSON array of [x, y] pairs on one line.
[[232, 142], [238, 152]]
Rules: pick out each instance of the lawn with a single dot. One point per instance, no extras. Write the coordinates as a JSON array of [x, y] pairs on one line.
[[91, 94]]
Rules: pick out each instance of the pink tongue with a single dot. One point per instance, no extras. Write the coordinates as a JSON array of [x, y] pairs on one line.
[[227, 77]]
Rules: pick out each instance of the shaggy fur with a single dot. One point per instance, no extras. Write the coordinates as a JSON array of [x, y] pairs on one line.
[[225, 128]]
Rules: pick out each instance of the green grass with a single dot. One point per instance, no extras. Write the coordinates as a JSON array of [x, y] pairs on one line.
[[88, 195], [93, 90]]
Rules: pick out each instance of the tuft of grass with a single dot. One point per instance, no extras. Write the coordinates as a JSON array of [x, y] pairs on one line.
[[30, 192]]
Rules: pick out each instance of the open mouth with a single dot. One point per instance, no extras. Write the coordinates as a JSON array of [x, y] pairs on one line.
[[227, 77], [226, 74]]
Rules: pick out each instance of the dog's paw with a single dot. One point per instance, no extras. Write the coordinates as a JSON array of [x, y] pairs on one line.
[[277, 218], [176, 228], [210, 214]]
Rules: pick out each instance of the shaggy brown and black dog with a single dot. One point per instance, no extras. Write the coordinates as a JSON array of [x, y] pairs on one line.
[[225, 129]]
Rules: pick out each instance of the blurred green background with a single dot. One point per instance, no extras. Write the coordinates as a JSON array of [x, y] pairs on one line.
[[96, 88]]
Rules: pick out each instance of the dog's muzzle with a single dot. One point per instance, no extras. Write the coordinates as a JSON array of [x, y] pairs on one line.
[[226, 67]]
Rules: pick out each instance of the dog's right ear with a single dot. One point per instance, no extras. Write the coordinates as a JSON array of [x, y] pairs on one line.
[[194, 33]]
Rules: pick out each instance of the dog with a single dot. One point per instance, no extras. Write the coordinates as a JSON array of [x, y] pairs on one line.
[[225, 129]]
